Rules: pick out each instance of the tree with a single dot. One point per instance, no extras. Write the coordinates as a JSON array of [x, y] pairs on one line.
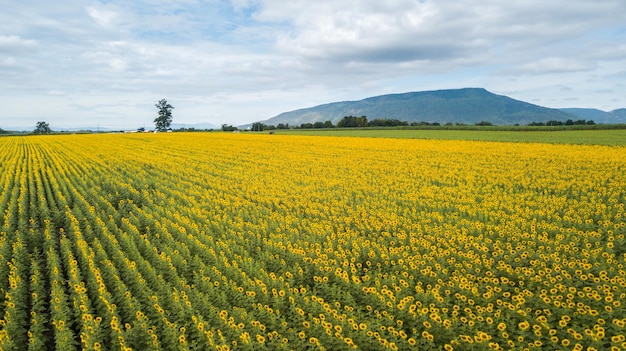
[[42, 128], [554, 123], [163, 122], [352, 121], [387, 123], [484, 123], [258, 127]]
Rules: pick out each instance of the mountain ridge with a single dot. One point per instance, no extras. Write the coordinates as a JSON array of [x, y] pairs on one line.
[[464, 105]]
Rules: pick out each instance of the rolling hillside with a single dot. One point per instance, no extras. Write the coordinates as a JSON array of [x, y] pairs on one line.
[[467, 105], [598, 116]]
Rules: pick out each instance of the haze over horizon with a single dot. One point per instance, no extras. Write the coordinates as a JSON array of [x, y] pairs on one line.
[[86, 63]]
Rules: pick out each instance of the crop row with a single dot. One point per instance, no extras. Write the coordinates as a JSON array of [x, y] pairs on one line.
[[235, 241]]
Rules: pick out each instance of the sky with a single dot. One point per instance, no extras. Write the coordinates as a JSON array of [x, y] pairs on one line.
[[106, 63]]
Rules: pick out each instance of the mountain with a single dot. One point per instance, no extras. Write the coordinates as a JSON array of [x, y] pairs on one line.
[[467, 105], [586, 113], [598, 116], [616, 116]]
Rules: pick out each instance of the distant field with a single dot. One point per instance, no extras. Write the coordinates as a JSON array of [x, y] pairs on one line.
[[591, 137]]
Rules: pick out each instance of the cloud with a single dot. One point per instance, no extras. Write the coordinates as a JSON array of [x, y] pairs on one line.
[[12, 43], [102, 17], [273, 55], [442, 30], [369, 31], [554, 65]]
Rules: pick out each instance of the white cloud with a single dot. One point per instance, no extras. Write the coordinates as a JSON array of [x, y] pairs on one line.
[[240, 5], [411, 30], [13, 43], [554, 65], [102, 17]]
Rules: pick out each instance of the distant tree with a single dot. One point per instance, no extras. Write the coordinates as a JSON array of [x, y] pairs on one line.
[[257, 127], [352, 121], [569, 122], [347, 122], [42, 128], [228, 128], [387, 123], [318, 125], [554, 123], [420, 124], [484, 123], [282, 126], [328, 124], [590, 122], [306, 125], [163, 122]]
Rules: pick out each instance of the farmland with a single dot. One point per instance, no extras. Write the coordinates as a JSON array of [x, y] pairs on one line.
[[194, 241], [552, 135]]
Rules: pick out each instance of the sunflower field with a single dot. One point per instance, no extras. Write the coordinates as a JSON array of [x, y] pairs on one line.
[[219, 241]]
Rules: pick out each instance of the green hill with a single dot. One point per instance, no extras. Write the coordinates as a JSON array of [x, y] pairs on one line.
[[586, 113], [467, 105], [598, 116], [617, 116]]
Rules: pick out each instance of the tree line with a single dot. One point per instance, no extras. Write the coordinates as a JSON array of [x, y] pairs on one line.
[[345, 122], [569, 122], [363, 122]]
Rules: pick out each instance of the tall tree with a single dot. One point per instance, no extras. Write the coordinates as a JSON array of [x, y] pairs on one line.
[[163, 122], [258, 127], [352, 121], [42, 128]]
